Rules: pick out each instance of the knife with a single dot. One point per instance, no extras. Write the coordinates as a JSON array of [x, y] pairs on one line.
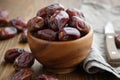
[[113, 56]]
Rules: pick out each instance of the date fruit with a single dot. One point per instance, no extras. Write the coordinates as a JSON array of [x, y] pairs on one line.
[[68, 33], [58, 20], [23, 74], [75, 12], [46, 77], [35, 24], [3, 13], [53, 8], [7, 32], [50, 10], [80, 24], [117, 41], [12, 54], [23, 38], [18, 23], [47, 34], [3, 18], [25, 60]]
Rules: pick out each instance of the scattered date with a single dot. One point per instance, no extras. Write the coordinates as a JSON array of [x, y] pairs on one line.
[[46, 77], [23, 74], [12, 54], [25, 60], [7, 33]]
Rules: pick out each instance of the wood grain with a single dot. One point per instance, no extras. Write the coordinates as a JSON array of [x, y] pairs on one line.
[[28, 9]]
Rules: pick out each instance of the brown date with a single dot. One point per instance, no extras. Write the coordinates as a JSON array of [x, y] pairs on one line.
[[35, 23], [53, 8], [58, 20], [50, 10], [18, 23], [46, 77], [25, 60], [12, 54], [3, 17], [47, 34], [75, 12], [68, 33], [7, 32], [3, 13], [80, 24], [23, 74], [117, 41], [23, 38]]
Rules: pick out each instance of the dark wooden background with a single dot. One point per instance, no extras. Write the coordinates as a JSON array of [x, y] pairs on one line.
[[28, 9]]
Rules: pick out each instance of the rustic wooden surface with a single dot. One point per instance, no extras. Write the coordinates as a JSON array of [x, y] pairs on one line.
[[28, 9]]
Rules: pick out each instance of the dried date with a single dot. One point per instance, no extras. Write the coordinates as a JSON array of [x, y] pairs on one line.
[[23, 74], [18, 23], [50, 10], [12, 54], [23, 38], [46, 77], [53, 8], [25, 60], [80, 24], [35, 24], [75, 12], [58, 20], [3, 18], [117, 41], [7, 32], [68, 33], [47, 34]]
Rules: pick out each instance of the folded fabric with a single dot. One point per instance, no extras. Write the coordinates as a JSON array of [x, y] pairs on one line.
[[96, 60], [98, 14]]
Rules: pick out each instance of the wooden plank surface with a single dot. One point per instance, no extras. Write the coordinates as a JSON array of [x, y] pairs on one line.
[[28, 9]]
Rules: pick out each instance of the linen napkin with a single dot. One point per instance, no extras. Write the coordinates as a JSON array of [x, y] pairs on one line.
[[98, 14]]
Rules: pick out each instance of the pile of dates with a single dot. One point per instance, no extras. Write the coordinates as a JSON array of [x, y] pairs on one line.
[[10, 28], [23, 60], [54, 23]]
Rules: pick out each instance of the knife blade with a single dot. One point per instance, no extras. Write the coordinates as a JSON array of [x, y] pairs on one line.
[[112, 54]]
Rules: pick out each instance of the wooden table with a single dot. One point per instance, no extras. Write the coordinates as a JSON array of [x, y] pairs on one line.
[[28, 9]]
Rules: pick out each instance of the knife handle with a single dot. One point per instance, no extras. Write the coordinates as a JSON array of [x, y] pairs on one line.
[[112, 52]]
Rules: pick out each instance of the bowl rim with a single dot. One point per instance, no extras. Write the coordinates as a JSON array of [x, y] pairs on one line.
[[60, 42]]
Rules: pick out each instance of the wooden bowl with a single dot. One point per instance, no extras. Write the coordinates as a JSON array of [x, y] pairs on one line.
[[60, 57]]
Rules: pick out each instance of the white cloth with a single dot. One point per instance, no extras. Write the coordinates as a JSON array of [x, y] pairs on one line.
[[98, 15]]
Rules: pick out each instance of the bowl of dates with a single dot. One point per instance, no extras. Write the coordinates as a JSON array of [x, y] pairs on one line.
[[59, 38]]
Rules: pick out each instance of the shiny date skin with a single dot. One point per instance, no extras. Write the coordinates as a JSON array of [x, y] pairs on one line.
[[58, 20], [117, 41], [3, 17], [69, 33], [23, 74], [7, 32], [75, 12], [80, 24], [35, 24], [50, 10], [53, 8], [18, 23], [47, 34], [12, 54], [23, 38], [4, 22], [46, 77], [3, 13], [25, 60]]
